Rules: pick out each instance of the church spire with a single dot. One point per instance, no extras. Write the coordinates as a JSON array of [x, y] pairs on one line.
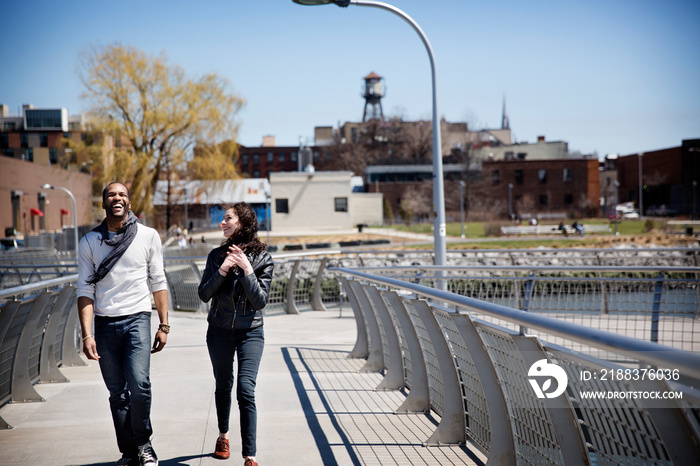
[[505, 122]]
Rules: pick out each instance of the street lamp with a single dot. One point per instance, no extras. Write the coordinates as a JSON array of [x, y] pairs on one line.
[[617, 185], [439, 227], [75, 213], [462, 184], [187, 220], [641, 201], [510, 201]]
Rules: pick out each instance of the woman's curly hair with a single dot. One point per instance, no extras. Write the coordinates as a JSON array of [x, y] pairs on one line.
[[246, 237]]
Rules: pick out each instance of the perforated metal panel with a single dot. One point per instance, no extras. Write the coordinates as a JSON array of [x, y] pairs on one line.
[[8, 345], [61, 326], [535, 438], [278, 287], [382, 330], [184, 283], [304, 282], [437, 390], [405, 352], [38, 337], [477, 415], [619, 431]]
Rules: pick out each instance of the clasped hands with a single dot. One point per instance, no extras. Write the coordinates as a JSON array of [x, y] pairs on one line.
[[235, 257]]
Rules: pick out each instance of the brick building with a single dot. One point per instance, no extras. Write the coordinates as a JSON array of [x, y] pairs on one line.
[[260, 161], [35, 151], [568, 186], [667, 177]]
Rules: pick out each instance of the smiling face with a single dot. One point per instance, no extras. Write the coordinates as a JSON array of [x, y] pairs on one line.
[[230, 223], [115, 201]]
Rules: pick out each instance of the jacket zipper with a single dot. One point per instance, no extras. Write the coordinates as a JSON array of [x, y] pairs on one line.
[[233, 318]]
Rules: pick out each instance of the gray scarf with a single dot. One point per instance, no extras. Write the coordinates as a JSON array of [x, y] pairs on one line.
[[122, 240]]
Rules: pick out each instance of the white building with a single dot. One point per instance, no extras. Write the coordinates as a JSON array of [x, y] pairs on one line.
[[318, 201], [541, 150]]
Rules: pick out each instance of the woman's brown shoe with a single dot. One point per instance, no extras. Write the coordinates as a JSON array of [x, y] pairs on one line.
[[250, 462], [222, 451]]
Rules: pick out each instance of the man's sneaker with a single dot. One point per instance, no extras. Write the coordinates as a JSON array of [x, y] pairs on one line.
[[127, 461], [147, 457]]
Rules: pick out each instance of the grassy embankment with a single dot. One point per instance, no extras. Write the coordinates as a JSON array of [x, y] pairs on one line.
[[483, 231]]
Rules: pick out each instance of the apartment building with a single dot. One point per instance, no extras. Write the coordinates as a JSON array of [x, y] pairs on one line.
[[34, 151]]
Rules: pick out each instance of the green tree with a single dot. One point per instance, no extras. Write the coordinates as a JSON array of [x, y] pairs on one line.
[[157, 116]]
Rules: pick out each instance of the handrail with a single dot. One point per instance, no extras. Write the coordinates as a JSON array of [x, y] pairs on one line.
[[528, 250], [652, 353], [70, 265], [19, 290], [539, 251], [571, 268]]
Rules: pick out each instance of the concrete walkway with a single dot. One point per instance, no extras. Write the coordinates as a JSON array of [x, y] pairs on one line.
[[314, 407]]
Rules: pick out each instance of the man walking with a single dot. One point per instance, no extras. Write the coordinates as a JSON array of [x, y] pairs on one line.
[[117, 262]]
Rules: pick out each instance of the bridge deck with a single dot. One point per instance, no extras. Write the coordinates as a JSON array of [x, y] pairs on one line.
[[314, 407]]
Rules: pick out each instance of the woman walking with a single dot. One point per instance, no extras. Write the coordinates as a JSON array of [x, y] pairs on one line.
[[237, 279]]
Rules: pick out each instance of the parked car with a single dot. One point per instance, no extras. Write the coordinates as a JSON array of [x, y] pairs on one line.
[[626, 211], [661, 211]]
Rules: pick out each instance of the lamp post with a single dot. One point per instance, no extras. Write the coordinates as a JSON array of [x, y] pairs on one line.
[[616, 184], [439, 226], [187, 223], [75, 213], [641, 201], [510, 201], [462, 184], [300, 162]]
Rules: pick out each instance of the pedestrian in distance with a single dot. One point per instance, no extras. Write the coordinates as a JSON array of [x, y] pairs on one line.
[[562, 228], [237, 280], [117, 263]]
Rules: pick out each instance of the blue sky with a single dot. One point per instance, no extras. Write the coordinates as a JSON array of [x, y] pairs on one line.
[[618, 76]]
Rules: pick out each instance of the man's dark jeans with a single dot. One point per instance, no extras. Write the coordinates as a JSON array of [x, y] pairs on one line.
[[223, 344], [124, 346]]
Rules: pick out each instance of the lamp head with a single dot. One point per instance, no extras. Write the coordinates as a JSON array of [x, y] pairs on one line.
[[46, 186], [342, 3]]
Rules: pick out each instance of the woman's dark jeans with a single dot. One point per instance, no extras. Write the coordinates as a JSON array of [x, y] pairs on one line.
[[223, 344], [124, 346]]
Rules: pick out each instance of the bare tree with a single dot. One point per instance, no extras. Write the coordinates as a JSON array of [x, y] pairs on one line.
[[416, 204], [157, 115]]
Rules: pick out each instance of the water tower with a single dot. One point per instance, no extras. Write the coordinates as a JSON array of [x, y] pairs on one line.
[[373, 92]]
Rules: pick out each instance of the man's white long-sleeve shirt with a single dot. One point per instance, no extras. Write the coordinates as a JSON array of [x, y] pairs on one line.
[[125, 289]]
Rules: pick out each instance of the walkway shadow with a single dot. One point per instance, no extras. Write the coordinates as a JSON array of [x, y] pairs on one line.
[[179, 461], [182, 460], [361, 418], [324, 447]]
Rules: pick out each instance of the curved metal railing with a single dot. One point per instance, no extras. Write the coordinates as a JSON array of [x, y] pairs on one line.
[[482, 379]]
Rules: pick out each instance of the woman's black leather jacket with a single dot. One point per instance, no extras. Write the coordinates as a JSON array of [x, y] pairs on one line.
[[237, 301]]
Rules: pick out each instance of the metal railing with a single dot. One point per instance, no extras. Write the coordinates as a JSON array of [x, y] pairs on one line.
[[470, 347], [659, 304], [22, 274], [38, 333], [480, 379]]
